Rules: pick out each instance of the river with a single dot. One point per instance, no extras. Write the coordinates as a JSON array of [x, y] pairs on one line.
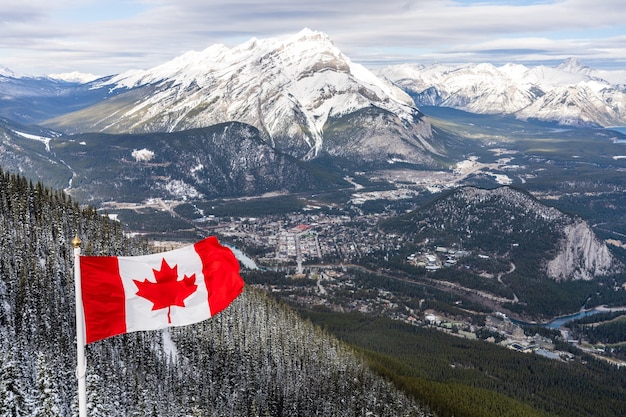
[[243, 258], [559, 322]]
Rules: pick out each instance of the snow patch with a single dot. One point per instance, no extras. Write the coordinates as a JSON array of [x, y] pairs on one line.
[[43, 139], [169, 347], [142, 155], [501, 178], [182, 190], [354, 184], [392, 161]]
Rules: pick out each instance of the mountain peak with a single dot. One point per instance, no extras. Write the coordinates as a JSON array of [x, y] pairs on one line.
[[572, 65], [6, 72], [309, 34]]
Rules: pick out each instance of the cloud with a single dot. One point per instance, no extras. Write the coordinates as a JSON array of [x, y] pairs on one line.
[[110, 37]]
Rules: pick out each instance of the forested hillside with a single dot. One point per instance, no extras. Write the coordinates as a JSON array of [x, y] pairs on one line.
[[256, 358]]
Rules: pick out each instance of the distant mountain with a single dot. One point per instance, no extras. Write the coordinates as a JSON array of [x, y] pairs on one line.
[[6, 72], [571, 93], [301, 92], [75, 77], [511, 224], [228, 159], [31, 100]]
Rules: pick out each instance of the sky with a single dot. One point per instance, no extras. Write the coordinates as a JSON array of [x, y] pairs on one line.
[[105, 37]]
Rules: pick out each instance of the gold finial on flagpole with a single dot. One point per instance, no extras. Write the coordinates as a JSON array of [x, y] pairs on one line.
[[76, 242]]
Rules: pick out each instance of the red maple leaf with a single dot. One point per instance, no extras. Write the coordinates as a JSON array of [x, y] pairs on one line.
[[167, 291]]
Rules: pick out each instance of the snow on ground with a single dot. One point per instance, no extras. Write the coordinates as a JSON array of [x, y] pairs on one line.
[[43, 139], [142, 154], [501, 178], [169, 346], [351, 181], [473, 166]]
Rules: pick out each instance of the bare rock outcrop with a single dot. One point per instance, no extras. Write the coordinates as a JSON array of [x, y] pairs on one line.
[[582, 255]]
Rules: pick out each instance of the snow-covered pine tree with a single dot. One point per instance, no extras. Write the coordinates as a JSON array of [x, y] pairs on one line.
[[48, 401], [12, 396]]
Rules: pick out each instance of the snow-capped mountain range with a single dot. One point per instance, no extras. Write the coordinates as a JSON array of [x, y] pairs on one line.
[[571, 93], [300, 91], [308, 99]]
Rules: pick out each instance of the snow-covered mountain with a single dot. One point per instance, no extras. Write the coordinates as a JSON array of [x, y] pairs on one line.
[[304, 95], [6, 72], [75, 77], [571, 93]]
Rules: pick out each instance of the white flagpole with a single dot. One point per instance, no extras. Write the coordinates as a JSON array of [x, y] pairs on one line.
[[81, 362]]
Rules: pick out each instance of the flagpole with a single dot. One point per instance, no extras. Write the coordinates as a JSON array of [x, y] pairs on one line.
[[81, 362]]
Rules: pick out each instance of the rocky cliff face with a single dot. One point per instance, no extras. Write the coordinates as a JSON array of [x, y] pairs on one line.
[[581, 255]]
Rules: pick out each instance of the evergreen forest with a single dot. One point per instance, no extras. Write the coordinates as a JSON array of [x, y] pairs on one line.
[[256, 358]]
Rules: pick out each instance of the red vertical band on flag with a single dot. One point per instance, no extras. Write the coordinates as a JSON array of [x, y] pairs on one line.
[[221, 273], [104, 303]]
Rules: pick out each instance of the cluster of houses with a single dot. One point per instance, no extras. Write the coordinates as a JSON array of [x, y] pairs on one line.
[[513, 335], [441, 257]]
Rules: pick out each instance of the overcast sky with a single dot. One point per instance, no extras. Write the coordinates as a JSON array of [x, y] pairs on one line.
[[103, 37]]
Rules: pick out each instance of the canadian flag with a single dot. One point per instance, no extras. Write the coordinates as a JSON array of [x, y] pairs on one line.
[[122, 294]]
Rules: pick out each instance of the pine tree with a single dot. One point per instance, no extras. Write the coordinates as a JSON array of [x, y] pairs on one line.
[[12, 397], [48, 398], [95, 399]]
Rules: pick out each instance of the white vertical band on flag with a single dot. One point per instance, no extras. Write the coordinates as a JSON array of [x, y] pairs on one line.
[[139, 310]]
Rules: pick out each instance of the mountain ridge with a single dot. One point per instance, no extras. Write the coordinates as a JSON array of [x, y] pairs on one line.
[[228, 159], [570, 93]]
